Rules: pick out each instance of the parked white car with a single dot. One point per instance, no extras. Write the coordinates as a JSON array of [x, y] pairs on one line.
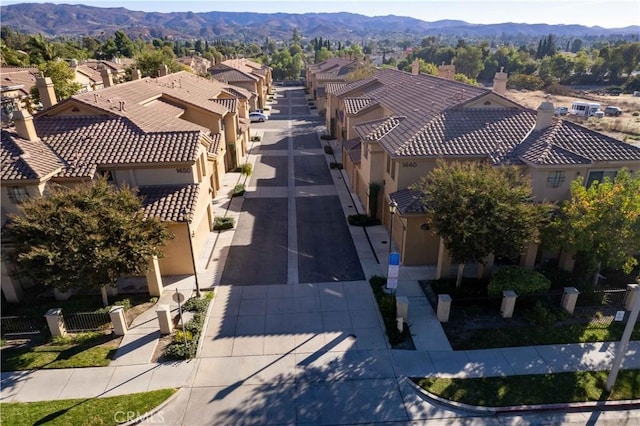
[[257, 116]]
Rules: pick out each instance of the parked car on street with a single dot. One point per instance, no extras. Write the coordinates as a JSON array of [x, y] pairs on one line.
[[612, 111], [257, 116]]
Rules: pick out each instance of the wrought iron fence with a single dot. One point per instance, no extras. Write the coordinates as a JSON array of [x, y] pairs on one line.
[[23, 326], [86, 321], [613, 298]]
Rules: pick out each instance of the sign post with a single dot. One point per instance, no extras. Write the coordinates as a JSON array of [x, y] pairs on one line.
[[392, 273]]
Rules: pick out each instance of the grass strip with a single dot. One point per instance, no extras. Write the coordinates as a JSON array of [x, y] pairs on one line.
[[554, 388], [79, 412]]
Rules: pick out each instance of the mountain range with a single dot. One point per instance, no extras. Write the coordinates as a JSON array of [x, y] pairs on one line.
[[77, 20]]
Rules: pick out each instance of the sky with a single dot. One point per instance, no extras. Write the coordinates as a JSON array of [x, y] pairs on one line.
[[604, 13]]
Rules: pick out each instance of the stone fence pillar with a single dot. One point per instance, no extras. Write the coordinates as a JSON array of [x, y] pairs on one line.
[[633, 292], [508, 303], [118, 320], [55, 322], [444, 307], [164, 318], [569, 299]]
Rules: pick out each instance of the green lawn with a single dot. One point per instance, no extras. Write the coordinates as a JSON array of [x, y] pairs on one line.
[[84, 350], [77, 412], [535, 389]]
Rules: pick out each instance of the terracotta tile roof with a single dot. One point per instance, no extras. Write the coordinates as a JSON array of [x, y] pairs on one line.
[[130, 100], [467, 132], [228, 74], [169, 203], [334, 87], [346, 88], [229, 104], [408, 202], [92, 73], [22, 159], [353, 106], [238, 92], [247, 66], [567, 143], [329, 64], [16, 76], [214, 147], [377, 129], [330, 76], [87, 142], [165, 108]]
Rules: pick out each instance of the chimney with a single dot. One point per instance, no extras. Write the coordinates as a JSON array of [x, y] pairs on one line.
[[446, 71], [544, 118], [500, 82], [136, 74], [415, 67], [46, 92], [163, 70], [107, 80], [23, 121]]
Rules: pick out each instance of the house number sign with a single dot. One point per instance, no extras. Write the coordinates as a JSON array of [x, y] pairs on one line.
[[409, 164]]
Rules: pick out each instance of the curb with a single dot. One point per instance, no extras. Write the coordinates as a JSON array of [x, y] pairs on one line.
[[631, 403], [149, 414]]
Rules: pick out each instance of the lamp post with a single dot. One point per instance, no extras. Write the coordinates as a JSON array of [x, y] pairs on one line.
[[193, 257], [393, 206]]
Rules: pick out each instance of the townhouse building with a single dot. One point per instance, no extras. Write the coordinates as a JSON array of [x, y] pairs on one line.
[[247, 74], [171, 137], [394, 126]]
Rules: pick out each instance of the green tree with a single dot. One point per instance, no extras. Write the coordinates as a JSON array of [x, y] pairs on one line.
[[149, 61], [63, 79], [602, 222], [479, 209], [468, 61], [84, 238], [322, 54]]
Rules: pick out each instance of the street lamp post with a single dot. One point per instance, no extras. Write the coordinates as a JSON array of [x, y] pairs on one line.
[[393, 206], [193, 257]]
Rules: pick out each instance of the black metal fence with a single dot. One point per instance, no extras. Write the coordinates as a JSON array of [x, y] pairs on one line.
[[15, 326], [86, 321]]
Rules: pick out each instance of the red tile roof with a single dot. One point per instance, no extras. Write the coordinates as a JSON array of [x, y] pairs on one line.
[[22, 159], [170, 203]]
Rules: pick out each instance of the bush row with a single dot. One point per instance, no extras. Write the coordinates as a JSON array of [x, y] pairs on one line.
[[193, 328]]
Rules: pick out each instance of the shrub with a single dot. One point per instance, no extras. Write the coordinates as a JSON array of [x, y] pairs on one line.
[[246, 169], [125, 303], [221, 223], [361, 220], [334, 165], [540, 315], [387, 306], [518, 279], [238, 190], [328, 149], [196, 304], [180, 336], [178, 351], [526, 82]]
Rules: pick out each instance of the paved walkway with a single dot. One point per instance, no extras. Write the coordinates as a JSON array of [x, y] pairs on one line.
[[304, 353]]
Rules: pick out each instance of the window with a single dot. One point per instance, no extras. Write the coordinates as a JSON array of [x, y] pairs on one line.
[[556, 179], [600, 176], [18, 194]]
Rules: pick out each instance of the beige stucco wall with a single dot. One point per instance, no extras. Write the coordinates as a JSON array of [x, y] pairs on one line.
[[353, 120], [420, 245], [176, 253]]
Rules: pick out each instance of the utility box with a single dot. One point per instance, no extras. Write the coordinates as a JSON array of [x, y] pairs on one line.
[[444, 307], [508, 303]]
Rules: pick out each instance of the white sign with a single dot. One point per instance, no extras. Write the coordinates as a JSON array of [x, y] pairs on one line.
[[178, 297], [619, 315]]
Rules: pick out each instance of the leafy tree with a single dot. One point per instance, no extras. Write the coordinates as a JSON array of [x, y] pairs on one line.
[[149, 61], [85, 237], [602, 221], [479, 209], [63, 79], [468, 61]]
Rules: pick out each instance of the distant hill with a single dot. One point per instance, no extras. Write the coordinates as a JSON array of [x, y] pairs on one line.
[[51, 19]]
